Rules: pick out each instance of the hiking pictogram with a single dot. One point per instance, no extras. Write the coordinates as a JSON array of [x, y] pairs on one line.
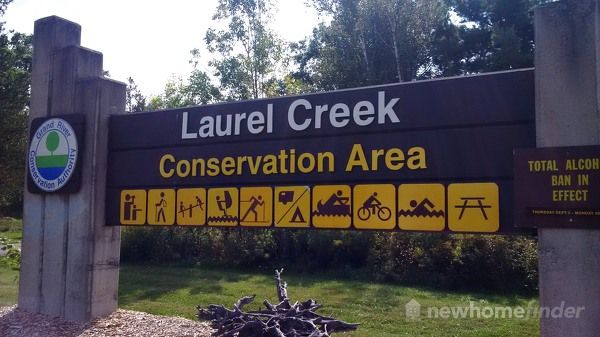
[[256, 206], [292, 206], [473, 207], [133, 207], [161, 205], [191, 208], [422, 207], [374, 205], [222, 207], [331, 206]]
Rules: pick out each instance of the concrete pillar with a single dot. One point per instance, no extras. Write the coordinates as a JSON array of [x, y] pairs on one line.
[[567, 75], [70, 260]]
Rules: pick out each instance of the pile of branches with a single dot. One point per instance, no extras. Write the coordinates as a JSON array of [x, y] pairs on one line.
[[281, 320]]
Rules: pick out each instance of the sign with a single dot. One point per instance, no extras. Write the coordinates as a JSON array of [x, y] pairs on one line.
[[53, 155], [419, 156], [557, 187]]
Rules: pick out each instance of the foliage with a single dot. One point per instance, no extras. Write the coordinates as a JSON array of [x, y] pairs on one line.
[[491, 35], [500, 263], [247, 52], [15, 72], [134, 99]]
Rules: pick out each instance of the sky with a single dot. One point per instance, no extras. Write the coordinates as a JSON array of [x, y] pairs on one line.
[[148, 40]]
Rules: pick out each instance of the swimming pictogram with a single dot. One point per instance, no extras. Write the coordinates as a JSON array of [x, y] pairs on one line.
[[424, 208], [292, 206], [133, 207], [331, 206], [191, 208], [372, 206], [223, 207]]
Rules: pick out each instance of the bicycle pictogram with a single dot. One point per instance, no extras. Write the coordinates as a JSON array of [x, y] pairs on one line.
[[372, 206]]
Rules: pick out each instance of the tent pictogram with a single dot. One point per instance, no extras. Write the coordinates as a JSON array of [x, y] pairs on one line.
[[292, 206]]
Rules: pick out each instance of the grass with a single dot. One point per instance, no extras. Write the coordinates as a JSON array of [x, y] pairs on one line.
[[378, 307]]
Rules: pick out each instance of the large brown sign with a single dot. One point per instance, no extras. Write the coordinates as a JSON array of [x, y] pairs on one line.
[[426, 156], [557, 187]]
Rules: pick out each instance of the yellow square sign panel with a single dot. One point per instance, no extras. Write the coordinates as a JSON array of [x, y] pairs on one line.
[[422, 207], [292, 206], [256, 206], [133, 207], [332, 206], [161, 207], [374, 206], [473, 207], [191, 206], [223, 207]]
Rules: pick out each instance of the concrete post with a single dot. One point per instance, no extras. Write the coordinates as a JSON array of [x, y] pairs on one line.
[[567, 80], [70, 260]]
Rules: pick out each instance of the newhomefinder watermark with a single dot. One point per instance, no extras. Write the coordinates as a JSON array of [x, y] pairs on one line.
[[414, 311]]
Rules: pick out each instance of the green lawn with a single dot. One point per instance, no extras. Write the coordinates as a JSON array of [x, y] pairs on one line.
[[378, 307]]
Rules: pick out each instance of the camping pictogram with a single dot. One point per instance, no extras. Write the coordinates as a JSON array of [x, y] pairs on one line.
[[292, 206], [161, 207], [422, 207], [331, 206], [223, 206], [133, 207], [473, 207], [256, 206], [191, 206], [373, 206]]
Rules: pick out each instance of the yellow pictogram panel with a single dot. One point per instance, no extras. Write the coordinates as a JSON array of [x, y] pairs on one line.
[[292, 206], [191, 206], [161, 207], [473, 207], [422, 207], [256, 206], [133, 207], [331, 206], [223, 207], [374, 206]]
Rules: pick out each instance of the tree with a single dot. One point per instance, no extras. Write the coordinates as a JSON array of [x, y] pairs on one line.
[[15, 72], [135, 101], [248, 52], [370, 42], [491, 35]]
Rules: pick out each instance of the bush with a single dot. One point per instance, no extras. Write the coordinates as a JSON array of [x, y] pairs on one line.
[[485, 262]]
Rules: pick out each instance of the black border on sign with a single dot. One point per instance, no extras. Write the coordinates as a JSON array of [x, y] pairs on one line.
[[77, 122]]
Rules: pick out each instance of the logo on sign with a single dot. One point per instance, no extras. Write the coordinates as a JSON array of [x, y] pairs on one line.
[[52, 154]]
